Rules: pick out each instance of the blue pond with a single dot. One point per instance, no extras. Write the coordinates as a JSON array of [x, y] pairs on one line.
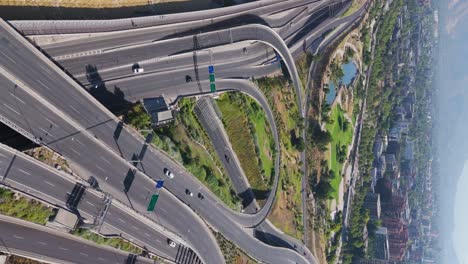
[[349, 70]]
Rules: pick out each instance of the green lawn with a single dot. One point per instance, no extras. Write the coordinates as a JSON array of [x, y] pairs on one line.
[[115, 242], [29, 210], [263, 137], [341, 136], [239, 113]]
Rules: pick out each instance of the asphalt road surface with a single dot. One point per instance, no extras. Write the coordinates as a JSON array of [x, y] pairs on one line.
[[42, 243]]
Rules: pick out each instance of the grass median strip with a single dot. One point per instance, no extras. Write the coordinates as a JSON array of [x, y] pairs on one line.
[[115, 242], [15, 205]]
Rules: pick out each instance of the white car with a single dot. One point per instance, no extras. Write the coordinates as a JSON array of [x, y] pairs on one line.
[[171, 243], [138, 70], [169, 174]]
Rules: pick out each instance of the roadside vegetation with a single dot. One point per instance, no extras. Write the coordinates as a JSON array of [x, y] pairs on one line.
[[186, 142], [354, 7], [287, 211], [232, 254], [15, 205], [115, 242], [250, 135]]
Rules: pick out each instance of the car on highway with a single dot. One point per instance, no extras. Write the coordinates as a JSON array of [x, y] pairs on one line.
[[188, 78], [201, 196], [188, 192], [168, 173], [171, 243], [138, 70]]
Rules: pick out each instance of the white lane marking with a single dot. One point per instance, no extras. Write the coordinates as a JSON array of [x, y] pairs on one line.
[[75, 109], [43, 85], [49, 183], [25, 172], [2, 155], [8, 57], [63, 248], [100, 168], [83, 254], [46, 132], [17, 98], [42, 243], [90, 203], [15, 236], [122, 220], [101, 259], [79, 142], [148, 235], [104, 159], [136, 228], [12, 109], [75, 151]]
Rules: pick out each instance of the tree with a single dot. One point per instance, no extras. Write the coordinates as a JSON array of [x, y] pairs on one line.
[[138, 118]]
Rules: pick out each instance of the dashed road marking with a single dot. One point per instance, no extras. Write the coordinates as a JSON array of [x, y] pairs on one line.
[[17, 98], [51, 184], [18, 237], [12, 109], [74, 109], [25, 172], [75, 151]]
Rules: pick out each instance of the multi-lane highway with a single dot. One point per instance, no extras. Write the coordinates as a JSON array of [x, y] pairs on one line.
[[78, 151], [30, 176], [45, 244], [50, 108]]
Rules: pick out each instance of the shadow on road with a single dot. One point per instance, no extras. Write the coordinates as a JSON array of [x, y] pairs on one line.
[[113, 98], [272, 240]]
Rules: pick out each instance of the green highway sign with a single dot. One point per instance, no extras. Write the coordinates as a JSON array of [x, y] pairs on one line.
[[152, 203], [213, 87], [212, 78]]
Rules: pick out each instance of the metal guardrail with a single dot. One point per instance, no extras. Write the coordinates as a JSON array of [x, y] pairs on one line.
[[18, 129]]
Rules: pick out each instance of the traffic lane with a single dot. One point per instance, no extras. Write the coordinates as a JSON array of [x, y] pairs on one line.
[[18, 57], [226, 54], [43, 241], [122, 38], [34, 177], [220, 141], [139, 232], [183, 44], [82, 150]]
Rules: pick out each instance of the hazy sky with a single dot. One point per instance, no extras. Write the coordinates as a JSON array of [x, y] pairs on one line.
[[461, 218], [453, 122]]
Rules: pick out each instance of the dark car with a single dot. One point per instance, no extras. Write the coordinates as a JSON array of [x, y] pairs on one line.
[[188, 78], [201, 196]]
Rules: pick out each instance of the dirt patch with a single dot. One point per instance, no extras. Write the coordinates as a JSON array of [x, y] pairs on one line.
[[282, 214]]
